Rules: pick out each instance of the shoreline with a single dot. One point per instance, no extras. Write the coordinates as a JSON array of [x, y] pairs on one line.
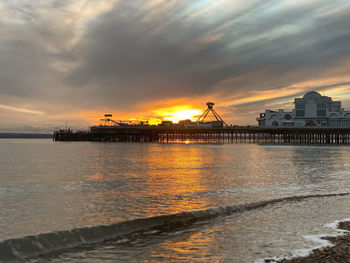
[[339, 252]]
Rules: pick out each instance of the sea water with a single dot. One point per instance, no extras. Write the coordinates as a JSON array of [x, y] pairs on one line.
[[149, 202]]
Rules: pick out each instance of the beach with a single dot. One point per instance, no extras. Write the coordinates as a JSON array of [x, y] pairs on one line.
[[339, 253]]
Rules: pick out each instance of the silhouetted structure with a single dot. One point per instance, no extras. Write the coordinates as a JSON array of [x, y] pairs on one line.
[[287, 135], [205, 132], [219, 121]]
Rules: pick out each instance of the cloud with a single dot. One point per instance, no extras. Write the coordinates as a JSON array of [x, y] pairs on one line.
[[134, 56], [21, 110], [67, 57]]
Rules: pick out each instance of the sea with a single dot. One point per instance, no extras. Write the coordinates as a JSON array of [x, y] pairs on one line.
[[153, 202]]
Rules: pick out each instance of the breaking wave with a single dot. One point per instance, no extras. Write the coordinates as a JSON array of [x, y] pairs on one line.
[[15, 250]]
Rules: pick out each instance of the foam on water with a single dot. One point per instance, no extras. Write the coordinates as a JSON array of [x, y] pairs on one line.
[[322, 243]]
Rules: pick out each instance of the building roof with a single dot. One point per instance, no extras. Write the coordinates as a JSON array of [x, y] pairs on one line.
[[315, 96]]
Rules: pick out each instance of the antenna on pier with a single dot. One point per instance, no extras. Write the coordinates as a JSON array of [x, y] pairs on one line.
[[108, 119], [207, 111]]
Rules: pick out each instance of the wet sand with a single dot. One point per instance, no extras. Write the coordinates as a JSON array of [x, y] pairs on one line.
[[339, 253]]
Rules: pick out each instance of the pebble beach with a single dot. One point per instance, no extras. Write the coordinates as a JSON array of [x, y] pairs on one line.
[[339, 253]]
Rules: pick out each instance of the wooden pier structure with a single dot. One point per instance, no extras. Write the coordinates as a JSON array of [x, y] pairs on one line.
[[260, 135]]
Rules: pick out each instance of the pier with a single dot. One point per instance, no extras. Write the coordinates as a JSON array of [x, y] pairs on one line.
[[274, 127], [260, 135]]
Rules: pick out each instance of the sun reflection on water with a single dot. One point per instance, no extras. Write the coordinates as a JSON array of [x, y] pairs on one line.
[[162, 182], [124, 182]]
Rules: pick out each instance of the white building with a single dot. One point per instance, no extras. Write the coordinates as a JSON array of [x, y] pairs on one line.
[[312, 110]]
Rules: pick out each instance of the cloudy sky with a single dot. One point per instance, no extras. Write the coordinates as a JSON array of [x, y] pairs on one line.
[[74, 60]]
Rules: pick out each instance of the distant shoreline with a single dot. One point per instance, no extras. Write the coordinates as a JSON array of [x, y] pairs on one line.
[[25, 136]]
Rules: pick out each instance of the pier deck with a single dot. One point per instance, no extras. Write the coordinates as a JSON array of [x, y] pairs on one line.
[[286, 135]]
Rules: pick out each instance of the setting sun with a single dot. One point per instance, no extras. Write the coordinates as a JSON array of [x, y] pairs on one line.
[[178, 113]]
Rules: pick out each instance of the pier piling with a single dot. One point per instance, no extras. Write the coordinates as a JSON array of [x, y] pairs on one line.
[[290, 135]]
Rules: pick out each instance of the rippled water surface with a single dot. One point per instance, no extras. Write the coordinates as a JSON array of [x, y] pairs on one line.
[[50, 186]]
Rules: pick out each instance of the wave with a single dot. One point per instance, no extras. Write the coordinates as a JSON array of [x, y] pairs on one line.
[[15, 250]]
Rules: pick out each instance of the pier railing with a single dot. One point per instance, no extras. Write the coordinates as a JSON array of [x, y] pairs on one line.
[[285, 135]]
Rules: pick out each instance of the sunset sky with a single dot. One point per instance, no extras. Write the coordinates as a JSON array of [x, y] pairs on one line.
[[73, 60]]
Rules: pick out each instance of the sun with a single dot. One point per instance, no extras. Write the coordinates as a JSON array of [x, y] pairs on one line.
[[183, 115], [178, 113]]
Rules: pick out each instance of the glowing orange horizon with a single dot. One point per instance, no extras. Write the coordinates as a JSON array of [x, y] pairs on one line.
[[174, 114], [178, 113]]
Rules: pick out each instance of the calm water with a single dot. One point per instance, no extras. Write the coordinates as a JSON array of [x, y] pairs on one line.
[[50, 186]]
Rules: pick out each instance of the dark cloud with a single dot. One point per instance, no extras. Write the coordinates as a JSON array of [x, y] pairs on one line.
[[56, 55], [132, 56]]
